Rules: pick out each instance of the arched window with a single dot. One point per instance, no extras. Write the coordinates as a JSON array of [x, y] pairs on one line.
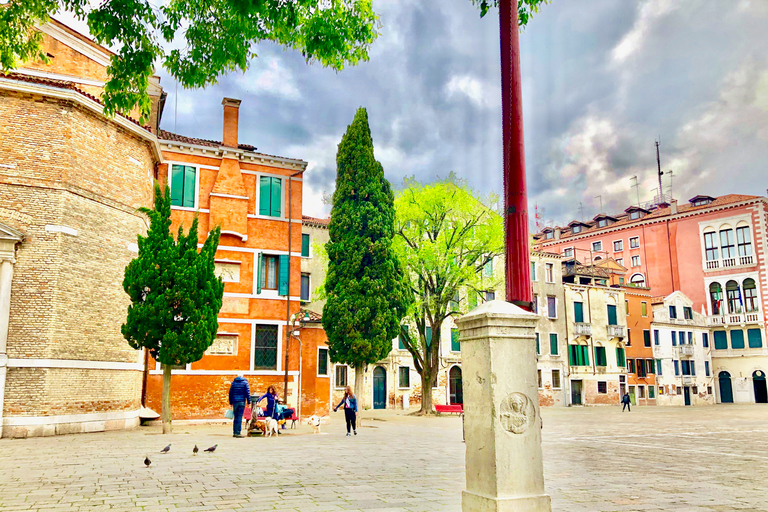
[[734, 296], [727, 244], [710, 245], [716, 298], [750, 295], [744, 241], [637, 279]]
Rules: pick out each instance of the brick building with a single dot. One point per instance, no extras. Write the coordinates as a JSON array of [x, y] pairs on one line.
[[71, 181]]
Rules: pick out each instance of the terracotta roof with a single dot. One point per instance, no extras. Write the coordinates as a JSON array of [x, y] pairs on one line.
[[314, 220], [624, 220], [313, 317], [63, 84], [162, 134]]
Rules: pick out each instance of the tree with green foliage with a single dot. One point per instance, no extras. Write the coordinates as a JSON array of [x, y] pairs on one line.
[[218, 36], [447, 237], [525, 9], [367, 295], [175, 295]]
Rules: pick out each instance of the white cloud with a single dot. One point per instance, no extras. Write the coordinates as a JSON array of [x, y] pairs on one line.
[[633, 41], [272, 79], [480, 93]]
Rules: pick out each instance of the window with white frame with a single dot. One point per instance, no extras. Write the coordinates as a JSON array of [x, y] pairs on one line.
[[305, 283], [404, 377], [743, 241], [620, 261], [634, 242], [555, 379], [635, 261], [568, 252], [618, 245], [322, 362], [270, 196], [634, 215], [727, 244], [549, 272], [576, 229], [533, 271], [551, 307], [183, 183], [597, 246], [637, 279], [710, 246]]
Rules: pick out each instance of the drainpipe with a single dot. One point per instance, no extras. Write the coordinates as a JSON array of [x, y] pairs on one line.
[[591, 337], [567, 378]]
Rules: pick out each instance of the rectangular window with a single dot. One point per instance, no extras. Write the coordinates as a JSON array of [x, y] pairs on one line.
[[709, 390], [538, 345], [183, 178], [737, 338], [687, 313], [644, 308], [620, 261], [453, 304], [755, 338], [743, 241], [270, 196], [568, 253], [681, 336], [602, 387], [578, 355], [679, 390], [685, 367], [535, 303], [455, 344], [674, 338], [661, 390], [539, 374], [551, 307], [305, 287], [488, 268], [322, 362], [710, 246], [269, 272], [676, 364], [635, 261], [626, 307], [651, 392], [690, 337], [597, 246], [631, 365], [620, 357], [533, 271], [727, 245], [634, 242], [555, 379], [549, 275], [640, 368], [646, 338], [404, 377], [489, 296], [305, 245], [341, 376], [612, 320], [672, 311], [618, 245], [640, 391], [400, 342], [721, 341], [693, 368], [658, 367], [705, 339], [578, 312], [553, 348], [600, 359], [265, 350], [655, 336]]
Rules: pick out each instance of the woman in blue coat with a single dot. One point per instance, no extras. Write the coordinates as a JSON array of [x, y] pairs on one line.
[[271, 396], [350, 409]]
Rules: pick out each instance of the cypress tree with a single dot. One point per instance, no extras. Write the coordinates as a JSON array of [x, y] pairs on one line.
[[175, 294], [367, 293]]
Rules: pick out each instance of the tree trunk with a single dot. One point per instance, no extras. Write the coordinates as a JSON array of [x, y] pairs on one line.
[[360, 387], [426, 393], [166, 414]]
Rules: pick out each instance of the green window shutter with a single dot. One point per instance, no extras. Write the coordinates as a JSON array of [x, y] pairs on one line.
[[259, 272], [620, 358], [572, 355], [737, 338], [651, 392], [538, 347], [585, 355], [305, 245], [428, 334], [177, 184], [189, 187], [755, 338], [578, 312], [658, 367], [455, 344], [400, 344], [282, 283], [553, 349], [276, 197], [721, 341], [264, 195], [612, 315]]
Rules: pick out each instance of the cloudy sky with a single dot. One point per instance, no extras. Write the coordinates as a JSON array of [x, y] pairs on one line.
[[602, 79]]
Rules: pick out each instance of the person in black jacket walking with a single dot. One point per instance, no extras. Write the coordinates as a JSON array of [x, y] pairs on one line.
[[626, 402], [239, 396], [350, 409]]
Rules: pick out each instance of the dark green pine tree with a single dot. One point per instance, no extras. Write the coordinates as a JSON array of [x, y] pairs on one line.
[[367, 293], [175, 295]]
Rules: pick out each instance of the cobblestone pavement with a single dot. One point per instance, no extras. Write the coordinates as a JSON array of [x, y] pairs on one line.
[[596, 459]]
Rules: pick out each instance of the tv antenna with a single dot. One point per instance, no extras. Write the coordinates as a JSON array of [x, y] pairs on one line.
[[600, 198], [658, 165], [581, 211], [637, 188]]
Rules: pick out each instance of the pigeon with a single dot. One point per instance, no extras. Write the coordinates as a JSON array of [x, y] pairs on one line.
[[166, 449], [212, 448], [195, 450], [147, 462]]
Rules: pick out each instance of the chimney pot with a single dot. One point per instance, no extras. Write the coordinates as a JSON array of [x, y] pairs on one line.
[[557, 233], [231, 113], [673, 207]]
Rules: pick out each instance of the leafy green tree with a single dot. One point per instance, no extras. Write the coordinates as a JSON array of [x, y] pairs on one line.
[[446, 238], [175, 295], [218, 36], [366, 293], [525, 9]]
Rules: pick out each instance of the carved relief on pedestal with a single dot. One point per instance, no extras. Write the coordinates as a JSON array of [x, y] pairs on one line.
[[517, 413]]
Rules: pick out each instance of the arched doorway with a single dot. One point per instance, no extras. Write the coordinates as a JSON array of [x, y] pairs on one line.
[[379, 388], [726, 391], [761, 392], [455, 390]]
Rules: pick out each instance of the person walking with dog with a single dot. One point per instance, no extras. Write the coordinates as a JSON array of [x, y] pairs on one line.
[[239, 396], [350, 409]]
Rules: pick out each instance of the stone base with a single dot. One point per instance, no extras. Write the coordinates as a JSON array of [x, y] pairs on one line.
[[75, 427], [471, 502]]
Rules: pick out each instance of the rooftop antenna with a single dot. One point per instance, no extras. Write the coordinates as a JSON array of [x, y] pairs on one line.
[[581, 211], [658, 165], [601, 202], [671, 176], [637, 189]]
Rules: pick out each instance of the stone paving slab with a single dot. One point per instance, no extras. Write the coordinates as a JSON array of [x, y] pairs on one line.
[[706, 459]]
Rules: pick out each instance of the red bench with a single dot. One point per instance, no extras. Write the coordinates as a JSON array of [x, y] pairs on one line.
[[452, 408]]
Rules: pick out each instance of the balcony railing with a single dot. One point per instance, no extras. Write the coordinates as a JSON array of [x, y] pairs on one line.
[[741, 261], [746, 260], [752, 317], [616, 331], [685, 350], [583, 329]]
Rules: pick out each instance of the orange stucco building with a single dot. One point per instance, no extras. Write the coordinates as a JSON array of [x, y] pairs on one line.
[[641, 369]]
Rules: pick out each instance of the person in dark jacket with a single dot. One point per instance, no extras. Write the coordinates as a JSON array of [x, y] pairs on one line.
[[626, 402], [271, 396], [239, 396], [350, 409]]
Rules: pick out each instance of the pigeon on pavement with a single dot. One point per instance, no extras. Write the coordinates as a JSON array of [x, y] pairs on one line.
[[212, 448], [147, 462], [166, 449], [195, 450]]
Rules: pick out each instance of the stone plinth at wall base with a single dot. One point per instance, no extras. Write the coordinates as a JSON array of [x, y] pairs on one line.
[[471, 502], [36, 428]]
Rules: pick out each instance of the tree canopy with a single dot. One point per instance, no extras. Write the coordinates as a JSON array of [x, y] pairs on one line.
[[525, 9], [196, 41]]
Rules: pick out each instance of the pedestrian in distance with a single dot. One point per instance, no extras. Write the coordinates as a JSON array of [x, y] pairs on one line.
[[239, 396], [272, 400], [350, 409], [626, 402]]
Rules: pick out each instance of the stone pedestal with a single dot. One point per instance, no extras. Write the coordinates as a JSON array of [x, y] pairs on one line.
[[501, 410]]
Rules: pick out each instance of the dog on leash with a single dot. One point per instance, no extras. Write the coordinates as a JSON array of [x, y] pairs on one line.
[[314, 420], [271, 425]]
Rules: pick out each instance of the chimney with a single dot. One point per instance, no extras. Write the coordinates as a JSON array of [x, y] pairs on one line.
[[673, 207], [231, 111], [557, 233]]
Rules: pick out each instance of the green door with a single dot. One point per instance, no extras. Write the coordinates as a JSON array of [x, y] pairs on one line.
[[726, 391], [632, 395], [379, 388]]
